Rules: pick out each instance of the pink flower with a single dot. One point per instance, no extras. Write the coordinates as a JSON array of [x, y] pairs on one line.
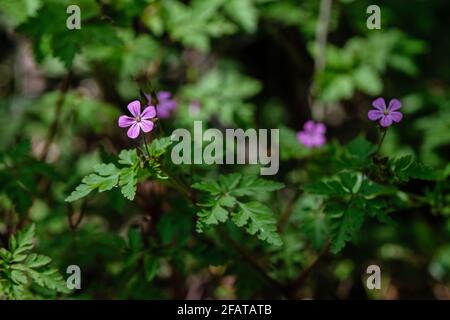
[[386, 115], [313, 134], [139, 121], [166, 105]]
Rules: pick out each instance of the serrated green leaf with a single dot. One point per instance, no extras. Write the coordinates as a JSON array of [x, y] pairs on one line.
[[127, 182], [23, 241], [406, 167], [252, 185], [344, 222], [259, 220], [36, 260], [326, 187], [159, 146], [209, 186], [128, 157], [50, 279], [19, 277]]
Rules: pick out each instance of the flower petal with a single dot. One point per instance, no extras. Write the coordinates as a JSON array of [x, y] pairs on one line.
[[146, 125], [305, 139], [163, 95], [135, 108], [394, 104], [386, 121], [319, 140], [320, 129], [375, 115], [148, 113], [396, 116], [126, 121], [379, 104], [309, 126], [133, 132]]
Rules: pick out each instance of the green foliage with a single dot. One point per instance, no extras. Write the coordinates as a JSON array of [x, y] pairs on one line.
[[164, 231], [20, 174], [223, 85], [19, 268], [224, 200], [50, 38], [406, 167], [108, 176], [359, 63]]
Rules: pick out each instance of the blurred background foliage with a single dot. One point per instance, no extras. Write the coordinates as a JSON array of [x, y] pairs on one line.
[[232, 63]]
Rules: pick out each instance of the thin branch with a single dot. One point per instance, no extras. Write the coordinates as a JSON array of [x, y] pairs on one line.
[[305, 273], [322, 33], [284, 218], [74, 225], [55, 124], [318, 108], [254, 263]]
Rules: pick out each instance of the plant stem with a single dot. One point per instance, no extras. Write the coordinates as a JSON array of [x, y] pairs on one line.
[[381, 141], [146, 145], [251, 260], [64, 87]]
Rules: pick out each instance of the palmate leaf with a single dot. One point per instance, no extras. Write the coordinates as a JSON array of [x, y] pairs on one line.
[[19, 267], [344, 220], [222, 201], [22, 242], [108, 176], [211, 217], [330, 187], [259, 220], [49, 278], [61, 42], [406, 167], [357, 154], [159, 146], [250, 185], [105, 178]]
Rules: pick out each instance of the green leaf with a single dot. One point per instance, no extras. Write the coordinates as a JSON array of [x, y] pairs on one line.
[[23, 241], [210, 217], [50, 279], [209, 186], [19, 277], [349, 181], [358, 151], [106, 179], [259, 220], [344, 222], [330, 187], [17, 12], [224, 193], [244, 12], [406, 167], [36, 260], [127, 182], [159, 146], [253, 185], [128, 157], [151, 265], [367, 80], [108, 176]]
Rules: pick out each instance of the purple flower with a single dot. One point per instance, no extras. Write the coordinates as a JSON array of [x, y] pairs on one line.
[[165, 104], [139, 121], [386, 115], [313, 134]]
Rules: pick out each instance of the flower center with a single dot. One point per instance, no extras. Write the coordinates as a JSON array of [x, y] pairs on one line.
[[386, 112], [138, 119]]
